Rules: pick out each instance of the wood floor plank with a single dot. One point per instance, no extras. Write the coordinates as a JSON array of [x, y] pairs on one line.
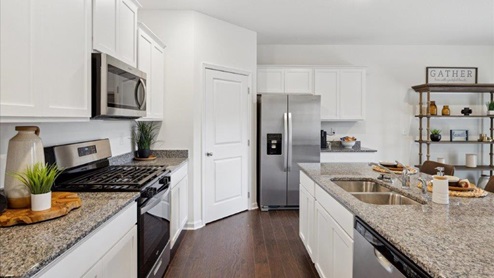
[[248, 244]]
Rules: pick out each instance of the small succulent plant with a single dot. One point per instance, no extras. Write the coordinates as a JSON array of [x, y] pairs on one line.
[[435, 131]]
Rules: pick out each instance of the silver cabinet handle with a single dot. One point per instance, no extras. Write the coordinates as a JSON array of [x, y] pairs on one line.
[[285, 142], [209, 154], [290, 141]]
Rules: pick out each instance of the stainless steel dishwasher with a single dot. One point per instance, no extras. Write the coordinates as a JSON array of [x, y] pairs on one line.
[[374, 257]]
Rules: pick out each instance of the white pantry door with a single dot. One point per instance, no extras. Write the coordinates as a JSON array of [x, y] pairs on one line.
[[226, 150]]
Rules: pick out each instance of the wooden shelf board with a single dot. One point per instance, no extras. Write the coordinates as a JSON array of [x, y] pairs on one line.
[[453, 142], [454, 88], [455, 116]]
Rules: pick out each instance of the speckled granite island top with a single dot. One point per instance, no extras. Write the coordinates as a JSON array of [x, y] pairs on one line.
[[26, 249], [452, 240], [173, 159]]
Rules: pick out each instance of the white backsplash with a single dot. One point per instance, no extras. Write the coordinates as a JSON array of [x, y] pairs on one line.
[[118, 131]]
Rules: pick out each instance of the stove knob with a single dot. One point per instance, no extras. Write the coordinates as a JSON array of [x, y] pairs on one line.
[[149, 192]]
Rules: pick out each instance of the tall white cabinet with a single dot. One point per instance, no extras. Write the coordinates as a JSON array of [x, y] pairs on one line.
[[115, 28], [326, 229], [45, 60], [151, 60]]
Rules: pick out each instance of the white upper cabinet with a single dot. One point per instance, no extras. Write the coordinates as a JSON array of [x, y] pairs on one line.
[[342, 92], [45, 60], [285, 80], [115, 28], [270, 80], [299, 81], [151, 60]]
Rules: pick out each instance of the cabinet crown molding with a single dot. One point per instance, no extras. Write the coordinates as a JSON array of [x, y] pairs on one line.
[[150, 33]]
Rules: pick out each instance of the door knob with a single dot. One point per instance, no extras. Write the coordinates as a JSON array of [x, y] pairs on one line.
[[209, 154]]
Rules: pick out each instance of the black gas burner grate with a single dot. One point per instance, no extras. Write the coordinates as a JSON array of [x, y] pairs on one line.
[[129, 178]]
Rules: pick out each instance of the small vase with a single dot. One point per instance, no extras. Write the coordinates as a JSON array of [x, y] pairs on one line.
[[445, 111], [144, 153], [433, 108], [436, 137], [41, 202]]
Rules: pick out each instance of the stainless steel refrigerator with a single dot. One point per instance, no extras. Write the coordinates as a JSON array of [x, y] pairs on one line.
[[288, 132]]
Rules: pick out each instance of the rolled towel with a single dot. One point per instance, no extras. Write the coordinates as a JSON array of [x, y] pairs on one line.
[[464, 183]]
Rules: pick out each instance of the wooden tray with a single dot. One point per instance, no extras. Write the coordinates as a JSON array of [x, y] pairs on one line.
[[381, 169], [472, 191], [151, 157], [61, 204]]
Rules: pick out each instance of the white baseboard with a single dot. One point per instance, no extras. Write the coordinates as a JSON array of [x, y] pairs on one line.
[[253, 206], [194, 225]]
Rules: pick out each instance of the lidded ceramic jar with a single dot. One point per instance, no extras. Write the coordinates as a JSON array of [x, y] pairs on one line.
[[25, 149]]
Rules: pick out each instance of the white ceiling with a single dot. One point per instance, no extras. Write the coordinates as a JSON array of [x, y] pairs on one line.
[[352, 21]]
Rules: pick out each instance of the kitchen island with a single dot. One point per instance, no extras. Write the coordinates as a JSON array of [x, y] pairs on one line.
[[445, 240]]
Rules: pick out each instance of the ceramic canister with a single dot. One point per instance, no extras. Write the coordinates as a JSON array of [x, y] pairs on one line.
[[440, 190], [25, 149]]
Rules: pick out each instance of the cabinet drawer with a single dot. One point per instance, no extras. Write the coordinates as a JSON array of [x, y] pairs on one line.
[[307, 183], [178, 175], [343, 217]]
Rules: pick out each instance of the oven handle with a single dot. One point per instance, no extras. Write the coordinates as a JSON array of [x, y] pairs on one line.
[[153, 201]]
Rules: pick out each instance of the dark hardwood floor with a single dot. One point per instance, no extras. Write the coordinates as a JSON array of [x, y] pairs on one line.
[[248, 244]]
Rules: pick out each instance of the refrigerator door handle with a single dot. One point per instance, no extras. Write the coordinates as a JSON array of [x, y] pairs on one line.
[[290, 141], [285, 141]]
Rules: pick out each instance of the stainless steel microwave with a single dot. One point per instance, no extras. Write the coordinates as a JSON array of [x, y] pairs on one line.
[[118, 90]]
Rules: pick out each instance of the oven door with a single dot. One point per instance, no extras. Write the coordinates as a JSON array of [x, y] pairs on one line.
[[154, 235], [119, 90]]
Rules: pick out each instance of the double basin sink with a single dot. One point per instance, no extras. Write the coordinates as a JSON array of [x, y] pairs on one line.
[[373, 193]]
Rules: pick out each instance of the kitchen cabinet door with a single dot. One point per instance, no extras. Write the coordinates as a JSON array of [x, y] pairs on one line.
[[105, 20], [326, 85], [158, 84], [270, 80], [127, 32], [179, 202], [333, 247], [37, 80], [175, 215], [299, 81], [352, 94], [121, 260], [184, 202], [151, 60], [306, 220]]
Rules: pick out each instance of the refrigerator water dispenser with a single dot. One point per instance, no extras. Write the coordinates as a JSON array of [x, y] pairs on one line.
[[274, 144]]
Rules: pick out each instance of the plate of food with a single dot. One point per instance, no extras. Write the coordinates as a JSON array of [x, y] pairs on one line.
[[388, 163], [348, 141]]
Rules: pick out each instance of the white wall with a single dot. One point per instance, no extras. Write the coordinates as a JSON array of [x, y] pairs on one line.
[[391, 71], [193, 39], [61, 133]]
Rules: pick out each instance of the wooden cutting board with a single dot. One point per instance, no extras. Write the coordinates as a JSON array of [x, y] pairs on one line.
[[61, 204]]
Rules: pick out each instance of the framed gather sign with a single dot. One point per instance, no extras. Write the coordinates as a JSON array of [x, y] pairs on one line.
[[451, 75]]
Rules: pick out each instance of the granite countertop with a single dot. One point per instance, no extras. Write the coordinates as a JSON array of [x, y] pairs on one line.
[[452, 240], [336, 147], [26, 249], [173, 159]]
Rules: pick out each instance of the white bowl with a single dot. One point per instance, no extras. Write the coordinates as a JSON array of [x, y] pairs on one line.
[[348, 144]]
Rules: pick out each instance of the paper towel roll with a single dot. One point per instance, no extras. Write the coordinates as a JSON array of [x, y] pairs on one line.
[[471, 160], [440, 190]]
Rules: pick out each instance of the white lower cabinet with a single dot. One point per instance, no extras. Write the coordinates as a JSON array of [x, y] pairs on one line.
[[326, 229], [179, 203], [109, 251]]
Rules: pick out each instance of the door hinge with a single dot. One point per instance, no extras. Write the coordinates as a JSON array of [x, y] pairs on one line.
[[248, 90], [248, 194], [248, 142]]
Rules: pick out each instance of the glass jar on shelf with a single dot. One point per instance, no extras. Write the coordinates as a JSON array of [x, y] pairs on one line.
[[433, 108], [445, 111]]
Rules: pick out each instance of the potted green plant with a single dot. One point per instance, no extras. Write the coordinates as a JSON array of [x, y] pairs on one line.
[[436, 135], [39, 179], [143, 137], [490, 107]]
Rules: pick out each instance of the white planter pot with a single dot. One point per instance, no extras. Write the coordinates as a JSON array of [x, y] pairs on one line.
[[490, 112], [40, 202]]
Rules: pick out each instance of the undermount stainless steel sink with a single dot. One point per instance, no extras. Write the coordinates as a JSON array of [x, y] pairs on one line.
[[361, 186], [385, 199]]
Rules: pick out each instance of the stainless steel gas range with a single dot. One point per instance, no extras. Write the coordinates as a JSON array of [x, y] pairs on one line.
[[87, 168]]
